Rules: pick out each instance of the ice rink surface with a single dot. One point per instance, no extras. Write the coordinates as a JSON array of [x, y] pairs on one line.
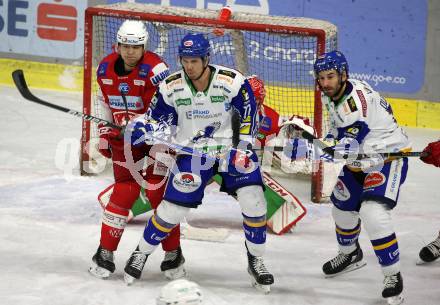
[[50, 224]]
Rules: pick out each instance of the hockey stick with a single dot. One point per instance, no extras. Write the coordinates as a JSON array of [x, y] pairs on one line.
[[20, 83], [334, 153]]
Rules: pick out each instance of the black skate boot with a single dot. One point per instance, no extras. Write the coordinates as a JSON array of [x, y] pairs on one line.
[[261, 278], [134, 266], [393, 286], [103, 264], [344, 262], [172, 264], [430, 252]]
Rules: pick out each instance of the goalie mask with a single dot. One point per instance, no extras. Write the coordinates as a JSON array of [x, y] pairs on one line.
[[180, 292], [133, 32], [258, 89]]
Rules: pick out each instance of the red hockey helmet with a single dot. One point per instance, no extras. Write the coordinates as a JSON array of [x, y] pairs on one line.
[[257, 86]]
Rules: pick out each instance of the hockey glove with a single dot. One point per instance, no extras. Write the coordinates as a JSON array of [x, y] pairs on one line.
[[241, 161], [109, 138], [296, 149], [433, 154]]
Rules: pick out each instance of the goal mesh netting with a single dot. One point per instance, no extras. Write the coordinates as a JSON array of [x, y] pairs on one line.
[[280, 50]]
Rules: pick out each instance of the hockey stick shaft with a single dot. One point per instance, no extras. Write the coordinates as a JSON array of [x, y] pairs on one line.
[[331, 151], [20, 83]]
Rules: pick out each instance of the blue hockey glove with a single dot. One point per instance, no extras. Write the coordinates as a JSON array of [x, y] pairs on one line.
[[141, 133], [241, 162]]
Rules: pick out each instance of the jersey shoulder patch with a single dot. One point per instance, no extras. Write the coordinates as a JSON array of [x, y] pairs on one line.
[[144, 69], [173, 77], [102, 69], [228, 73]]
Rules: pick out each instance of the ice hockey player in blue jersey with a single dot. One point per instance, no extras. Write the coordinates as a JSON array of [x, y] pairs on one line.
[[196, 105], [362, 121]]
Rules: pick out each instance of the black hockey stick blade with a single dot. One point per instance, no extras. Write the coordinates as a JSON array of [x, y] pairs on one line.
[[20, 83]]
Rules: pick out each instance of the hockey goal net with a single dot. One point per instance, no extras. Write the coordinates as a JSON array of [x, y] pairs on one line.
[[280, 50]]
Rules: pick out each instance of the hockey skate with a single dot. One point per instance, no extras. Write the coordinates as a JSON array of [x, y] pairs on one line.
[[393, 286], [172, 265], [343, 263], [102, 263], [261, 278], [430, 252], [134, 266]]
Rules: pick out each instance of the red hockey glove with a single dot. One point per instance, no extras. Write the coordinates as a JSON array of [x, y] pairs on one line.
[[108, 137], [433, 151]]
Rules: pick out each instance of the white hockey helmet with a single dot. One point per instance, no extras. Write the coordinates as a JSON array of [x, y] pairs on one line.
[[133, 32], [180, 292]]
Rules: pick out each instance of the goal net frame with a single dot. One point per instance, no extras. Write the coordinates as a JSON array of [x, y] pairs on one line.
[[323, 32]]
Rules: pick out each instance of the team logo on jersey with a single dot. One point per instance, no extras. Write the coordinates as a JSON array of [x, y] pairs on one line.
[[124, 88], [144, 69], [340, 191], [217, 99], [102, 69], [373, 180], [352, 104], [186, 182]]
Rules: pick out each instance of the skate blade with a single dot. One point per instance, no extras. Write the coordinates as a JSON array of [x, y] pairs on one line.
[[128, 279], [262, 288], [353, 267], [177, 273], [396, 300], [99, 272]]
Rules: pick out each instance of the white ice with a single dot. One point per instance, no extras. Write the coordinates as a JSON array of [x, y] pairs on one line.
[[50, 224]]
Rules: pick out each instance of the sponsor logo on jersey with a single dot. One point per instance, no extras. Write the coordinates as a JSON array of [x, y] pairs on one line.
[[352, 104], [102, 69], [156, 79], [107, 81], [227, 73], [340, 191], [202, 114], [217, 99], [178, 90], [186, 182], [138, 82], [133, 102], [188, 43], [144, 69], [124, 88], [227, 106], [225, 79], [363, 102], [183, 102], [373, 180]]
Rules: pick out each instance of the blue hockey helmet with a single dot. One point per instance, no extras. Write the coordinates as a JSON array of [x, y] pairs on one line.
[[331, 60], [194, 45]]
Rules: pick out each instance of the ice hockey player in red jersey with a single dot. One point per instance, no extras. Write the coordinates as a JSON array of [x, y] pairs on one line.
[[431, 251], [127, 80]]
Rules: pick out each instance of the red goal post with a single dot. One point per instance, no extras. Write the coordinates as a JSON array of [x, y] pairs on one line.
[[280, 50]]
